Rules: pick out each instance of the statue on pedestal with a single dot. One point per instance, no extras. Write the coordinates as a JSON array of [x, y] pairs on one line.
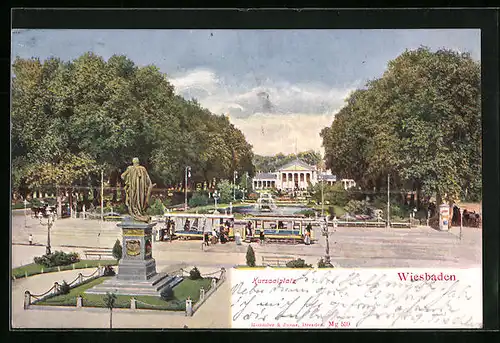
[[138, 188]]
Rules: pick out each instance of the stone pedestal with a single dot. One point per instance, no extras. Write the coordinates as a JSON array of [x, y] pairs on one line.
[[137, 268], [137, 261]]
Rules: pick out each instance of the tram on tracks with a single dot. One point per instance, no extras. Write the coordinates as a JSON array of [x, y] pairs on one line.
[[187, 226], [279, 229]]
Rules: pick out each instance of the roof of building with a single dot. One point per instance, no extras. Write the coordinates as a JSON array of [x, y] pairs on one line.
[[327, 177], [297, 165], [265, 176]]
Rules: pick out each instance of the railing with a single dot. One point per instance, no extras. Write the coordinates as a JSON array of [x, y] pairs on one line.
[[31, 299], [216, 283], [368, 224]]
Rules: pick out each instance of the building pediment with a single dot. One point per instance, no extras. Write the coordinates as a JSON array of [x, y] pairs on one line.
[[296, 165]]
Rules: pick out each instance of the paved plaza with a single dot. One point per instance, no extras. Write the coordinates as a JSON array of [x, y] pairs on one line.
[[349, 248]]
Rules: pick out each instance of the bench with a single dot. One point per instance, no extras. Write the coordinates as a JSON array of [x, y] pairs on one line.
[[401, 225], [99, 252], [276, 260]]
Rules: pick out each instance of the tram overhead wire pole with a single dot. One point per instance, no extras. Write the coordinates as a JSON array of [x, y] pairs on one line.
[[235, 175], [187, 174], [388, 201]]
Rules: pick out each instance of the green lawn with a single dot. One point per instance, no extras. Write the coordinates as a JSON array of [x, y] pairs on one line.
[[339, 210], [187, 288], [34, 269]]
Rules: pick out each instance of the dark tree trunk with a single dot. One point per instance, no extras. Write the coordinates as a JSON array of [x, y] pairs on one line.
[[96, 197], [114, 181]]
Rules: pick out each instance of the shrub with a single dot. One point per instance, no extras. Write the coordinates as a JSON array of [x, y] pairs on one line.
[[323, 264], [117, 250], [109, 271], [58, 258], [198, 199], [167, 293], [64, 288], [120, 208], [250, 256], [252, 196], [357, 207], [307, 212], [194, 274], [157, 208], [298, 263], [337, 195]]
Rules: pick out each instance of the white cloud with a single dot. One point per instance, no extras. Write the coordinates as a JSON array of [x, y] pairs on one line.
[[272, 115], [273, 133]]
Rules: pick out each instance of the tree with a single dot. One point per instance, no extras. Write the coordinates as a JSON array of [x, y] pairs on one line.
[[225, 191], [420, 123], [117, 250], [110, 300], [250, 256], [334, 195], [70, 116]]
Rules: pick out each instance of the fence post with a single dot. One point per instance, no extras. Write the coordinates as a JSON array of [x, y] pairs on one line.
[[133, 304], [58, 268], [26, 274], [202, 293], [80, 277], [189, 307], [27, 299], [73, 266], [41, 270], [79, 301], [214, 283], [56, 288]]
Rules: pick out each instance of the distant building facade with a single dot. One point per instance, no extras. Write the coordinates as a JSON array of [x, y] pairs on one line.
[[295, 176]]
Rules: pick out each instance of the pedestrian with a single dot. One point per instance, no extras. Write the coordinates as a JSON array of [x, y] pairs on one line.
[[262, 237], [30, 239]]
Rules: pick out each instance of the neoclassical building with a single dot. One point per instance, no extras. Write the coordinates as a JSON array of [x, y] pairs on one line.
[[296, 175]]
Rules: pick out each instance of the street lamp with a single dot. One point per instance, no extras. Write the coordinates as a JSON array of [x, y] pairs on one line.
[[216, 197], [326, 233], [235, 175], [244, 190], [461, 221], [322, 195], [25, 202], [51, 218], [187, 174]]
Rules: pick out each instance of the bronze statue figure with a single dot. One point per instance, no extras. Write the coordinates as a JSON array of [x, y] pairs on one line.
[[138, 188]]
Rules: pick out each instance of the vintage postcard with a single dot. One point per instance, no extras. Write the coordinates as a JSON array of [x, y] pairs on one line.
[[257, 179]]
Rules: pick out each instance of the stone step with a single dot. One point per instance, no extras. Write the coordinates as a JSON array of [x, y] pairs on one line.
[[170, 283], [137, 284]]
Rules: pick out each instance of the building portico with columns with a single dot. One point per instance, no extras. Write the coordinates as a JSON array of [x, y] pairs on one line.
[[295, 176]]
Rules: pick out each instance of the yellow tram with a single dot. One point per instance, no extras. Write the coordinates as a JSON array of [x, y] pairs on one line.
[[188, 226], [290, 229]]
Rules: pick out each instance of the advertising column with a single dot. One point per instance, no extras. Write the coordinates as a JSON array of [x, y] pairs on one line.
[[444, 217]]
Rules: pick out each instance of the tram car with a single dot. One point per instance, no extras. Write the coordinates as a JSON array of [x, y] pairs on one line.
[[291, 230], [186, 226]]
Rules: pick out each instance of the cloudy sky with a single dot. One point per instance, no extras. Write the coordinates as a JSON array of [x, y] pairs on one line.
[[280, 87]]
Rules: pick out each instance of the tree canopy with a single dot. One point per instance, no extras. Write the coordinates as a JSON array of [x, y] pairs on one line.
[[420, 122], [71, 119], [273, 163]]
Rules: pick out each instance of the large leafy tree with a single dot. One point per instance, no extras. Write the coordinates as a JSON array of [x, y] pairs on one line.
[[70, 116], [420, 123]]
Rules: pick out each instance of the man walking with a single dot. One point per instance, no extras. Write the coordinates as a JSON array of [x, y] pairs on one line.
[[30, 239]]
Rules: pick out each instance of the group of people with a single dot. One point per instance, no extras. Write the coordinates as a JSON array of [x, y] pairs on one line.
[[221, 235], [168, 231], [307, 234]]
